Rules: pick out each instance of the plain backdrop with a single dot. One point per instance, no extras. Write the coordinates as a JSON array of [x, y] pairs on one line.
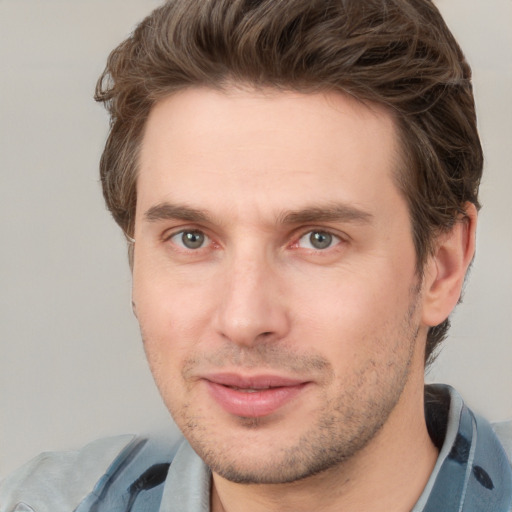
[[72, 367]]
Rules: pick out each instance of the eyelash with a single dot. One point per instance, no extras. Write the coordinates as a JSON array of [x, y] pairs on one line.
[[182, 232], [320, 237], [333, 240]]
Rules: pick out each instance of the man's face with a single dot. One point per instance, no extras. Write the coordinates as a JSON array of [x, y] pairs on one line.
[[274, 277]]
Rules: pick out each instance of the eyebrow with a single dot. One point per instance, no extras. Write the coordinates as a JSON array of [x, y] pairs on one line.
[[167, 211], [330, 213]]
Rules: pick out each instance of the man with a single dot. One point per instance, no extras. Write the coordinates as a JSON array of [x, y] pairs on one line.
[[298, 185]]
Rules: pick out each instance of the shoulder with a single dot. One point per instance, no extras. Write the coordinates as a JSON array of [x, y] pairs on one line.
[[61, 481], [504, 432]]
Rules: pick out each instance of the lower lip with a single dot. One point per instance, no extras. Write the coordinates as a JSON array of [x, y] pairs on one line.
[[253, 404]]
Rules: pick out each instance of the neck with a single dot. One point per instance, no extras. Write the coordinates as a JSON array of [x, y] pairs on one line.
[[388, 474]]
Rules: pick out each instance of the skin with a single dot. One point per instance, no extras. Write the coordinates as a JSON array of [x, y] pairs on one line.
[[249, 176]]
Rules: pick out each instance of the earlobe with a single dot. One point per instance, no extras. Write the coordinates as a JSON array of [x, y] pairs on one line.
[[447, 267]]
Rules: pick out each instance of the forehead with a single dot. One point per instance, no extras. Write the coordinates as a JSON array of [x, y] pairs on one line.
[[265, 145]]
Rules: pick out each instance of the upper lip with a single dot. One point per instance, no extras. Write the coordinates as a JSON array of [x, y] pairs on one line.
[[252, 381]]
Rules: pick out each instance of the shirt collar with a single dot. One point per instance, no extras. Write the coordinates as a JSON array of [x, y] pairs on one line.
[[187, 486], [472, 472]]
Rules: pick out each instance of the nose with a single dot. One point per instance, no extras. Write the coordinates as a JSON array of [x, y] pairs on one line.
[[251, 303]]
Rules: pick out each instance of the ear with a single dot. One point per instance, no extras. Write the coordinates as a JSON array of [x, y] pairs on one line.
[[446, 268], [134, 309]]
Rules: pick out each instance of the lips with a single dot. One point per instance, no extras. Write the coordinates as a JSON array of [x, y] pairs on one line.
[[255, 396]]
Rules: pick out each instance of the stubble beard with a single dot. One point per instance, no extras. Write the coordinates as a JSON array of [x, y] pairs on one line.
[[347, 424]]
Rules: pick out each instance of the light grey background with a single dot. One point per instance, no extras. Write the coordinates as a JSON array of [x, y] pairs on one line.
[[71, 364]]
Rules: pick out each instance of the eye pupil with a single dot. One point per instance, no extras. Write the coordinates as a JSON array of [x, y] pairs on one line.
[[192, 239], [320, 239]]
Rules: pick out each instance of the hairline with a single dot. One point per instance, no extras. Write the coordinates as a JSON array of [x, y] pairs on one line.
[[402, 169]]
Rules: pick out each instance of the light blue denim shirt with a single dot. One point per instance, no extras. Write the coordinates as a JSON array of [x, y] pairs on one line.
[[133, 474]]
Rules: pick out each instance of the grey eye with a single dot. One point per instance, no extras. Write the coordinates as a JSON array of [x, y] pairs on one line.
[[189, 239], [318, 240]]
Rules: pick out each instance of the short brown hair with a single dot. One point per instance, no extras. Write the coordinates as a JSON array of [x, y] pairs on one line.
[[398, 53]]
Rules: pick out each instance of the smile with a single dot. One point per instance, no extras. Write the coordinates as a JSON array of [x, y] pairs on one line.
[[253, 397], [248, 390]]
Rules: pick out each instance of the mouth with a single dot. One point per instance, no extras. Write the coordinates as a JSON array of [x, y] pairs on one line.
[[249, 390], [255, 396]]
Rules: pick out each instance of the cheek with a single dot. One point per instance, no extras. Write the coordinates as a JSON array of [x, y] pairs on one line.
[[166, 335], [170, 300], [352, 319], [171, 317]]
